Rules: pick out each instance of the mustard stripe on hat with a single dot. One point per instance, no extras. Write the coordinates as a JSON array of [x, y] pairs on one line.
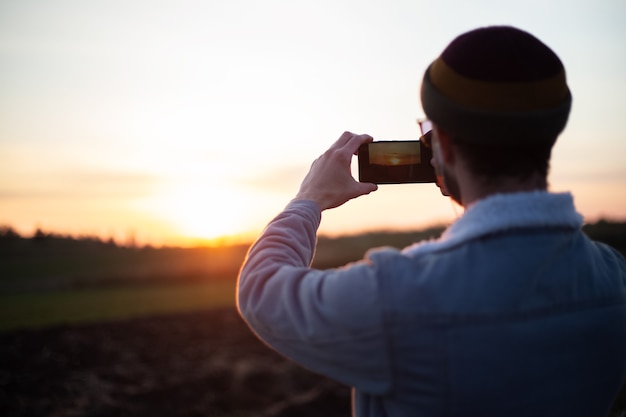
[[505, 96]]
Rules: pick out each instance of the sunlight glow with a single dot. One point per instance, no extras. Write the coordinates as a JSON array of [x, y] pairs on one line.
[[205, 213], [182, 122]]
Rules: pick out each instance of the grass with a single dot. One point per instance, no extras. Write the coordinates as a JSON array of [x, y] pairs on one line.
[[59, 280], [37, 310]]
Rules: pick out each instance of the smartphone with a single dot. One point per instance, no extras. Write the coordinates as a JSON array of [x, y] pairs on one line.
[[395, 162]]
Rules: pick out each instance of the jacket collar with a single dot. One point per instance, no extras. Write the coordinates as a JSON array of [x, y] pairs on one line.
[[503, 212]]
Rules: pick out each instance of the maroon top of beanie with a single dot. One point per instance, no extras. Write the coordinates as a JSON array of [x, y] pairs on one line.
[[501, 54]]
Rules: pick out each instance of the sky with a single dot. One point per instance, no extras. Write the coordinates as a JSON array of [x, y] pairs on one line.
[[174, 122]]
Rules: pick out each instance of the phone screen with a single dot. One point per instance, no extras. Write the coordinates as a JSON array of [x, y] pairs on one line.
[[395, 162]]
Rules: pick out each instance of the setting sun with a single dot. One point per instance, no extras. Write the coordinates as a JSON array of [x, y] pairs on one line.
[[204, 212]]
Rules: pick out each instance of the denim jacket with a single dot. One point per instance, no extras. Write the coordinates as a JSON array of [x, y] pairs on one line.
[[512, 312]]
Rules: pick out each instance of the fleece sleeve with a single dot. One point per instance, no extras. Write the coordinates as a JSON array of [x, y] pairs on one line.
[[329, 321]]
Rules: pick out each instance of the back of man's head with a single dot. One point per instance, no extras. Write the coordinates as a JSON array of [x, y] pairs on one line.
[[497, 86]]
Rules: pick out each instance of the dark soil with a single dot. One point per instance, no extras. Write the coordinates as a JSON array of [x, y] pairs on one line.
[[201, 364]]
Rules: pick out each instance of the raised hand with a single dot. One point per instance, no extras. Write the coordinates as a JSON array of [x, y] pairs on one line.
[[329, 182]]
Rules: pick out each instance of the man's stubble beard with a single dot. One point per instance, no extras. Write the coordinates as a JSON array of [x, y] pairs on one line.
[[452, 186]]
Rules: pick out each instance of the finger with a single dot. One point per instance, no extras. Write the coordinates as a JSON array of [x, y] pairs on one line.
[[343, 139], [351, 141], [348, 137], [353, 144]]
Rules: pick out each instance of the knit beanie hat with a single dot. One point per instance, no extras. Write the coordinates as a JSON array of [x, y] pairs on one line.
[[497, 86]]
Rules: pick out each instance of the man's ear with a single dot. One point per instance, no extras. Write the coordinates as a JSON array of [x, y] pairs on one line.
[[445, 145]]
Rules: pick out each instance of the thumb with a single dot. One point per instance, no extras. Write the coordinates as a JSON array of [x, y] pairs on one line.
[[366, 187], [357, 190]]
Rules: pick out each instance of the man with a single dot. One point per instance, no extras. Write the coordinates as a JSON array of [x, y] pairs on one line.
[[512, 312]]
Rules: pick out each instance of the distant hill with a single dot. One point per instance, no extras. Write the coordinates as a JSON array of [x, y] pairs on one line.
[[47, 261], [52, 262]]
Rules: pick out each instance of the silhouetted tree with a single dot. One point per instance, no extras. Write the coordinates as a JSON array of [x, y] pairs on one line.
[[8, 233], [40, 236]]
